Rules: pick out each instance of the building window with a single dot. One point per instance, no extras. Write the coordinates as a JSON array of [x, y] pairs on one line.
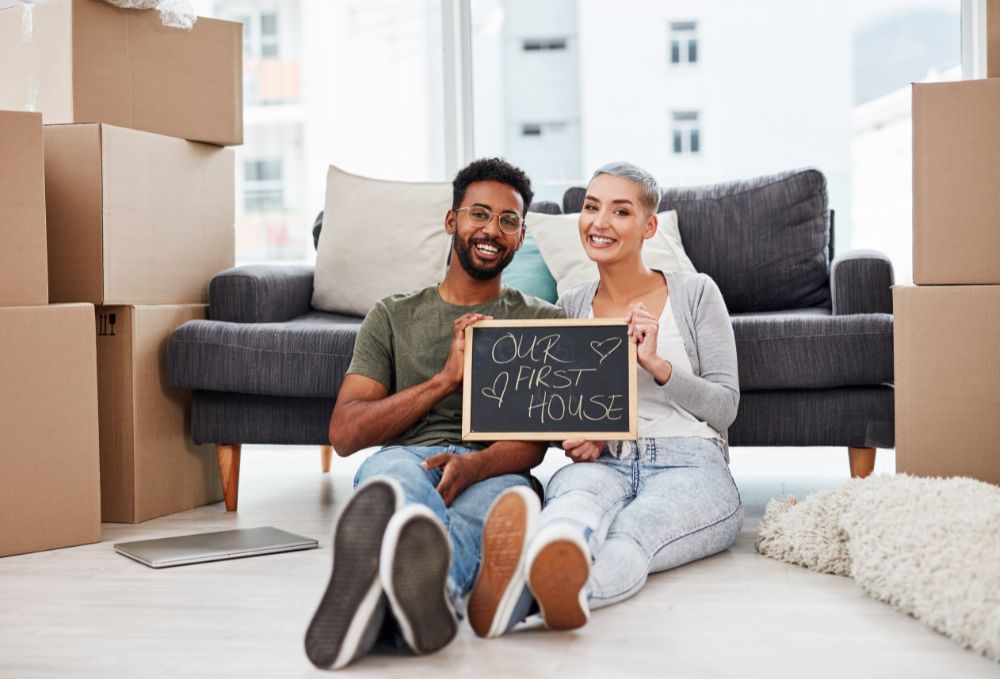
[[542, 129], [683, 42], [545, 45], [269, 44], [687, 132], [261, 38], [263, 188]]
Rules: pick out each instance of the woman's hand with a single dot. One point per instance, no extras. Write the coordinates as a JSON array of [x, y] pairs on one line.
[[581, 450], [644, 328]]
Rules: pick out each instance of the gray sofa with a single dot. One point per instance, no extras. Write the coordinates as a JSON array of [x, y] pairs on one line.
[[813, 333]]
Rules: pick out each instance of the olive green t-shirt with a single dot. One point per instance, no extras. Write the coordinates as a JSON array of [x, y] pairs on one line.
[[404, 341]]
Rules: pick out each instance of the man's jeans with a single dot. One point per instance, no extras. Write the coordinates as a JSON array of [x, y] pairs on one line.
[[463, 519], [671, 501]]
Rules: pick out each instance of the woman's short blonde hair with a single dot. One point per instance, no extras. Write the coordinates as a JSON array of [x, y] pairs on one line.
[[649, 190]]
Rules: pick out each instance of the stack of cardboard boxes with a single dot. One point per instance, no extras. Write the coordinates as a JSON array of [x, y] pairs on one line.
[[947, 327], [49, 487], [138, 196]]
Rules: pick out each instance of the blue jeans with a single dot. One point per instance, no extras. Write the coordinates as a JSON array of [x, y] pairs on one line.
[[463, 519], [672, 501]]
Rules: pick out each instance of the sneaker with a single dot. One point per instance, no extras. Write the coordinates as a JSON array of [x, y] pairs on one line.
[[498, 598], [352, 610], [558, 567], [416, 558]]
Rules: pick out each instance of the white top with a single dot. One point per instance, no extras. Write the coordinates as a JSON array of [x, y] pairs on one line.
[[659, 416]]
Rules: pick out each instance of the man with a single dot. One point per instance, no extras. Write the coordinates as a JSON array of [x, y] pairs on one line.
[[407, 545]]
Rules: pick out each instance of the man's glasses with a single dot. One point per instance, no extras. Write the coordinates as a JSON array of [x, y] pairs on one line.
[[479, 217]]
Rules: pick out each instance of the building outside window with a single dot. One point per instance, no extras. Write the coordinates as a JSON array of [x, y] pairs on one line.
[[683, 42], [535, 45], [269, 45], [785, 84], [542, 129], [686, 132], [263, 185]]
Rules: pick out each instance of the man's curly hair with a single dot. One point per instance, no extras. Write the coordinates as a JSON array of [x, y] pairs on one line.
[[491, 169]]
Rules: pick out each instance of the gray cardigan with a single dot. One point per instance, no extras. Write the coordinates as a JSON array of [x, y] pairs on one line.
[[711, 392]]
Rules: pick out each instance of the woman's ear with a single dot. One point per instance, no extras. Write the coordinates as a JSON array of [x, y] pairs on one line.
[[652, 223]]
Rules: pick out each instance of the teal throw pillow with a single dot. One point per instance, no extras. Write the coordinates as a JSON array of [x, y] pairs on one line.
[[529, 274]]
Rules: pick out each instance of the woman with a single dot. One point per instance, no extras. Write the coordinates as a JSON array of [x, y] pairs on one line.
[[626, 509]]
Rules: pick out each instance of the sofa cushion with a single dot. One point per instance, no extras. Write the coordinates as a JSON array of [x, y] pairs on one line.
[[765, 241], [812, 349], [859, 417], [307, 356], [378, 238]]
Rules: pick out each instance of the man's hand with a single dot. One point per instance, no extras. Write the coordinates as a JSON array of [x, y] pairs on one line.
[[458, 472], [581, 450], [454, 367]]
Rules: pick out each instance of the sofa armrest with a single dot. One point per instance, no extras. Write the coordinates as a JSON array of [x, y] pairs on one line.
[[261, 293], [861, 283]]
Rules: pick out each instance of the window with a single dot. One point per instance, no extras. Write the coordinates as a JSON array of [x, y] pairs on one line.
[[683, 42], [261, 39], [544, 45], [539, 129], [687, 135], [269, 44], [263, 186]]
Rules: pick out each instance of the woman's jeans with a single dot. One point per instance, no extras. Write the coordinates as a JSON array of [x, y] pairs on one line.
[[670, 502], [463, 519]]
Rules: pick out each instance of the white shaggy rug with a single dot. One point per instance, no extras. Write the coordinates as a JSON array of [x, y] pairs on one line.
[[929, 547]]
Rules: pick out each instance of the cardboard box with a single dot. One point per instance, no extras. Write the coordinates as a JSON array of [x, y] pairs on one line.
[[24, 277], [956, 173], [993, 39], [134, 217], [149, 466], [85, 61], [49, 486], [948, 380]]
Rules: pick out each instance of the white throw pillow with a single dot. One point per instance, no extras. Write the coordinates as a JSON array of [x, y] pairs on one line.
[[558, 239], [379, 238]]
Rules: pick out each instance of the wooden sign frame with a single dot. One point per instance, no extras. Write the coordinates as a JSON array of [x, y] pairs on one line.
[[633, 399]]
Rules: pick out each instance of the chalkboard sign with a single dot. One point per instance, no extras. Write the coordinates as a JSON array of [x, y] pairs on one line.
[[549, 380]]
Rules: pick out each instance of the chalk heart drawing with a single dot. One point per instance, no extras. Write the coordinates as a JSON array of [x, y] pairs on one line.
[[606, 347], [498, 390]]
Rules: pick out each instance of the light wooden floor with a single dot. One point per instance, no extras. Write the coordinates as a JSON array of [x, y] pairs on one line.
[[87, 612]]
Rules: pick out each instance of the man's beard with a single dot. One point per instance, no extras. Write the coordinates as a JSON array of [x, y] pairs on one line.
[[469, 265]]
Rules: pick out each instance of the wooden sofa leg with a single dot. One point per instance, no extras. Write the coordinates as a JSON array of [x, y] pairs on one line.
[[327, 454], [862, 461], [229, 471]]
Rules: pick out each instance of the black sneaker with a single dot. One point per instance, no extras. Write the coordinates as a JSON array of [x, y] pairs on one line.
[[416, 558], [353, 608]]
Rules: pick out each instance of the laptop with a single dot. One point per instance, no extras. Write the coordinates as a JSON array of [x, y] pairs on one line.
[[227, 544]]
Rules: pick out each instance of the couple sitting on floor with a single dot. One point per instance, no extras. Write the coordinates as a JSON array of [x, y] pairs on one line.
[[434, 519]]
